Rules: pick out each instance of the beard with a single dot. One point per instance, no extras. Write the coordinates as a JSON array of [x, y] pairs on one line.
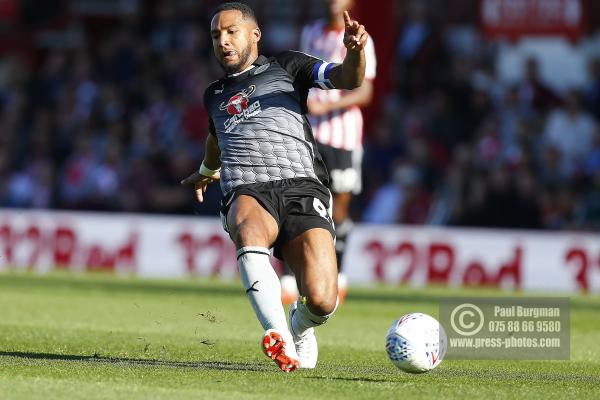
[[244, 57]]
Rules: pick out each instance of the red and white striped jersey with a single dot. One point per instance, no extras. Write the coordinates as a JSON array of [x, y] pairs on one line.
[[342, 129]]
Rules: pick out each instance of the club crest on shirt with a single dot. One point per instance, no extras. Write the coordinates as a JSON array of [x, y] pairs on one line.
[[239, 108]]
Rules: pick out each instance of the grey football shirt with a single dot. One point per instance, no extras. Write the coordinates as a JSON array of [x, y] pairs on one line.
[[259, 119]]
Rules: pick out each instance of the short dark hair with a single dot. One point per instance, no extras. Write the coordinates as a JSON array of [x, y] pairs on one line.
[[245, 9]]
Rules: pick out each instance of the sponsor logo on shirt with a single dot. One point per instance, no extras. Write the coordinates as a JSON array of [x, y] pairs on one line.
[[239, 107]]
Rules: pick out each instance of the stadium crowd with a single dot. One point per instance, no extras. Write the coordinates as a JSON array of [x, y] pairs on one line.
[[112, 118]]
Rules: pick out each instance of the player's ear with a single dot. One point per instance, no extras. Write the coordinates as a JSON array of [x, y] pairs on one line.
[[256, 34]]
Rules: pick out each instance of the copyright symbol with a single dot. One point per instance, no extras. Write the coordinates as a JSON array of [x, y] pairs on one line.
[[467, 319]]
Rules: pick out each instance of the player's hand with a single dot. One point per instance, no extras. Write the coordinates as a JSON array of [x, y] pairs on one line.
[[317, 108], [355, 35], [200, 183]]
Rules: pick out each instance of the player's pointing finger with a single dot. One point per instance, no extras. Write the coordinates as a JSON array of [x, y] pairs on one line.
[[347, 20]]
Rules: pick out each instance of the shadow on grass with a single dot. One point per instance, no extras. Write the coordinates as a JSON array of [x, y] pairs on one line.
[[349, 379], [485, 375], [218, 365]]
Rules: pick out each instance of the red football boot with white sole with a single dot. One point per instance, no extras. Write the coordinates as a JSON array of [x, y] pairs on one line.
[[274, 346]]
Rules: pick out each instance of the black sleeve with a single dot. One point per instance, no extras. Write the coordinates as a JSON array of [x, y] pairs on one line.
[[308, 71], [211, 127], [211, 124]]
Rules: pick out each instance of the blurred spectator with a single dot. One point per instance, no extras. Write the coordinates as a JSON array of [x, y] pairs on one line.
[[592, 92], [4, 176], [592, 162], [551, 174], [390, 199], [511, 114], [571, 131], [588, 213], [76, 182], [534, 93]]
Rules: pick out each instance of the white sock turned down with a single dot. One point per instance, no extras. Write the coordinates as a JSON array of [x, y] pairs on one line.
[[263, 289], [303, 319]]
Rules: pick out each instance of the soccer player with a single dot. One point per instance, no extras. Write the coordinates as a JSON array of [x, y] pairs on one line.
[[272, 177], [337, 125]]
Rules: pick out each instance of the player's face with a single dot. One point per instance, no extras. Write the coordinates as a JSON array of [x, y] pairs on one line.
[[235, 40], [337, 7]]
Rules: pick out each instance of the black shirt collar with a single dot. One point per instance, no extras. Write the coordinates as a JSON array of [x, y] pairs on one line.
[[260, 60]]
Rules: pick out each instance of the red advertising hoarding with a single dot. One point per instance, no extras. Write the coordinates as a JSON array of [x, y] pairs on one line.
[[176, 246], [513, 19]]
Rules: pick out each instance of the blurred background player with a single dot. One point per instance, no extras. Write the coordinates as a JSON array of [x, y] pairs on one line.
[[337, 125]]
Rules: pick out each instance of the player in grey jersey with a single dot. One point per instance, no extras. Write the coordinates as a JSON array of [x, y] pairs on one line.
[[272, 177]]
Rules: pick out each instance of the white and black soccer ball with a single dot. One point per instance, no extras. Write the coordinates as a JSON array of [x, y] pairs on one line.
[[416, 343]]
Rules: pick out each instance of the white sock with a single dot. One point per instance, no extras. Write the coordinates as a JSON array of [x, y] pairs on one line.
[[262, 287], [303, 319]]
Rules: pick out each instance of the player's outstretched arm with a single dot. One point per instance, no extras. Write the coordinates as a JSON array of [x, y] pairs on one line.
[[209, 170], [350, 74], [360, 96]]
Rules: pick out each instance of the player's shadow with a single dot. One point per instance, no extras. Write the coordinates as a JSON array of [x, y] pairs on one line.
[[349, 379], [218, 365]]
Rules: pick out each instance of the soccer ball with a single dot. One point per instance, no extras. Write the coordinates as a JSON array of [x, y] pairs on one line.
[[416, 343]]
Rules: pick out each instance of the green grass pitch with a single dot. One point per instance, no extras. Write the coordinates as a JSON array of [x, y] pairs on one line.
[[98, 337]]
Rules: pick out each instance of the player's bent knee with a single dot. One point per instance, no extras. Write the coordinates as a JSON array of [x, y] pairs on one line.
[[322, 305]]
